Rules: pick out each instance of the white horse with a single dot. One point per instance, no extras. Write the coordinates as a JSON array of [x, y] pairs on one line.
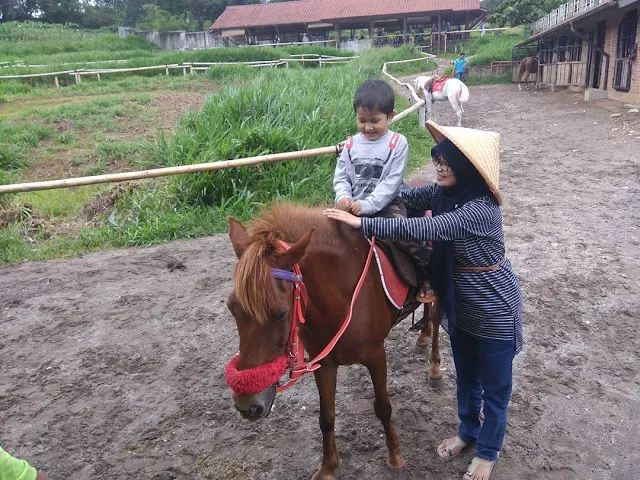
[[454, 90]]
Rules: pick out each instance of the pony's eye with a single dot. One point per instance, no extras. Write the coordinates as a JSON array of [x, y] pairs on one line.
[[282, 315]]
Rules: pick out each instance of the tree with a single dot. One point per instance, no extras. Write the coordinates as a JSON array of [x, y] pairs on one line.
[[522, 12], [17, 10], [60, 11], [132, 12], [205, 9]]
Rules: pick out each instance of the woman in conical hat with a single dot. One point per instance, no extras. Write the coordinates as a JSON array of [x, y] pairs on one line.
[[480, 300]]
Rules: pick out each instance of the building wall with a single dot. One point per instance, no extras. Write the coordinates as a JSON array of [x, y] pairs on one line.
[[577, 74], [178, 40]]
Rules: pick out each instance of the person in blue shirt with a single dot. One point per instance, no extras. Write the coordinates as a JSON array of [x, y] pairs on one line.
[[459, 64]]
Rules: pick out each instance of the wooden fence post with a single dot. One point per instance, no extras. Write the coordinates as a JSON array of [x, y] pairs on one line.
[[56, 82]]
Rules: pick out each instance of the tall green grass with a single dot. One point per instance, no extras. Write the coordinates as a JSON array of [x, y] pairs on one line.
[[35, 43], [280, 110]]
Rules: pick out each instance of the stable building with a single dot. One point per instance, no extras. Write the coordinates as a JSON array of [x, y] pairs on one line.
[[589, 45], [317, 20]]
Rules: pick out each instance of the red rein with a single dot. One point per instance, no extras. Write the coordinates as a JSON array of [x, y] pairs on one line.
[[255, 380]]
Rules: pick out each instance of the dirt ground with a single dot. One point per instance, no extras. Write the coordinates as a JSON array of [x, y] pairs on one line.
[[112, 365]]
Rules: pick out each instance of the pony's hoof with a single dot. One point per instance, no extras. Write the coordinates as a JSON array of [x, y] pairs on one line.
[[398, 472], [423, 340], [421, 347], [436, 382], [322, 476]]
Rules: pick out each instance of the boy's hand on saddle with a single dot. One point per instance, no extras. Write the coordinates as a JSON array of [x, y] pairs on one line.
[[356, 208], [344, 204], [42, 476]]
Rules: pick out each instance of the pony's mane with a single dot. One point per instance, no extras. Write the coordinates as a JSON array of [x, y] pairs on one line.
[[255, 288]]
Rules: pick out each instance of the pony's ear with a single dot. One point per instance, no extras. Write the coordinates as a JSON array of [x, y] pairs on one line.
[[292, 256], [238, 235]]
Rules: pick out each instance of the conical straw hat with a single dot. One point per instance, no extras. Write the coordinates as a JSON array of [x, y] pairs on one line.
[[480, 147]]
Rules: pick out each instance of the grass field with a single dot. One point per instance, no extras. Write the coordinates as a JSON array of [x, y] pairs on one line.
[[137, 122]]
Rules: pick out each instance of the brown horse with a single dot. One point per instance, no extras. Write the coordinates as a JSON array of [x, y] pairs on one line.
[[528, 65], [330, 257]]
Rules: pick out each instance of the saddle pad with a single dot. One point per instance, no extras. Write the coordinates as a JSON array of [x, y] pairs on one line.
[[395, 289], [439, 85]]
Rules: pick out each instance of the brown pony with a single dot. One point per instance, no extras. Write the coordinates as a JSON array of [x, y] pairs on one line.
[[528, 65], [331, 257]]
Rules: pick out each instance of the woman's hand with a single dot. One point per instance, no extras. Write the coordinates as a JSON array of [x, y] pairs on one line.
[[343, 217]]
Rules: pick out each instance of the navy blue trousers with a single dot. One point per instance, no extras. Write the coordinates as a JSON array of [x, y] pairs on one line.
[[483, 372]]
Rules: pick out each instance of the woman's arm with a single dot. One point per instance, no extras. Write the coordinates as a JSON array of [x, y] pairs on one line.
[[477, 217], [419, 198]]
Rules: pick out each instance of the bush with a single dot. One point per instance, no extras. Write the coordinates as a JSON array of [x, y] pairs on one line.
[[487, 49]]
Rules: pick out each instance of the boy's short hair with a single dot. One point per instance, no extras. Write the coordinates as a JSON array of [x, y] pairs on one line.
[[375, 95], [461, 54]]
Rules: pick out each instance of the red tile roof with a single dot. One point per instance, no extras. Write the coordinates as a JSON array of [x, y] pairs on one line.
[[309, 11]]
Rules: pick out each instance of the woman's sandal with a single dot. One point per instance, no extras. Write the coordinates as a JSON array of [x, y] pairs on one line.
[[426, 294], [457, 443], [477, 462]]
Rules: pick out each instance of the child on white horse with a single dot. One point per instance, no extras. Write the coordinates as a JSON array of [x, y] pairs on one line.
[[369, 173]]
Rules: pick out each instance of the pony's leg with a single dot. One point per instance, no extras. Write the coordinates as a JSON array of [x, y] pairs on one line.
[[424, 338], [430, 104], [526, 79], [434, 360], [453, 100], [326, 383], [377, 366]]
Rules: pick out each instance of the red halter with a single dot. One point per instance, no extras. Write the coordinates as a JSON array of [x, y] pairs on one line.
[[255, 380]]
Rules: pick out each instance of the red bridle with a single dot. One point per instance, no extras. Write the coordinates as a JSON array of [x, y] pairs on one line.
[[261, 377]]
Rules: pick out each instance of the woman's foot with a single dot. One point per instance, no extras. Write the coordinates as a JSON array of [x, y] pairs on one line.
[[451, 447], [479, 469], [426, 294]]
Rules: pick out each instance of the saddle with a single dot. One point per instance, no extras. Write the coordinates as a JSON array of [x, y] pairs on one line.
[[401, 261], [437, 84]]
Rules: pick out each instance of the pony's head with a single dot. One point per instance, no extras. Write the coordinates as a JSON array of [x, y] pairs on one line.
[[262, 308]]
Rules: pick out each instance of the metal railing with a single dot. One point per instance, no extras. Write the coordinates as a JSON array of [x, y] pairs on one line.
[[565, 12]]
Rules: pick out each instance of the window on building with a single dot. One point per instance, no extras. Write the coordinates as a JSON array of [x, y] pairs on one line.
[[625, 51]]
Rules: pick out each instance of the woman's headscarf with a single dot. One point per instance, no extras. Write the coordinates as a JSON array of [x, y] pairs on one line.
[[469, 185]]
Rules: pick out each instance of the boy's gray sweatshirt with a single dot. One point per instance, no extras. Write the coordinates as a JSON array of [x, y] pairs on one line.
[[371, 175]]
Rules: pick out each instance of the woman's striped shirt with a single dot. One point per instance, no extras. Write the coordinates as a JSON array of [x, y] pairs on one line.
[[488, 304]]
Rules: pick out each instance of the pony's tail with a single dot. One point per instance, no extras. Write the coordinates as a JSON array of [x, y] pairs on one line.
[[463, 94]]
